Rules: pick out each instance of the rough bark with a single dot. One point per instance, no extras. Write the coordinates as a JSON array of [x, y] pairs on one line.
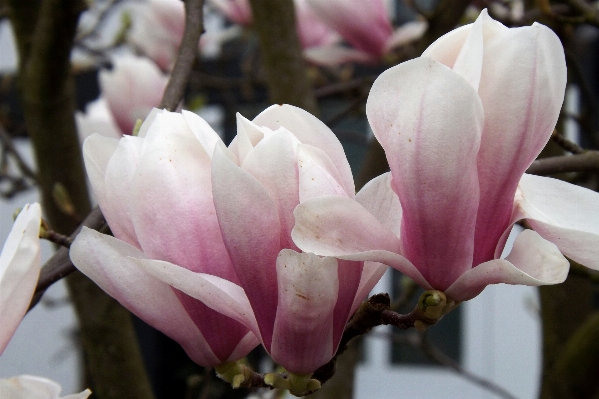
[[45, 32], [282, 57]]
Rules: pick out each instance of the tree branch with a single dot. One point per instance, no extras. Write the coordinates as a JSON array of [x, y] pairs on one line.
[[188, 50], [588, 160]]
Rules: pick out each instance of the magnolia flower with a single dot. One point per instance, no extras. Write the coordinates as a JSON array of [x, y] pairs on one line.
[[20, 266], [296, 303], [366, 26], [32, 387], [459, 126], [157, 29], [155, 192], [128, 92]]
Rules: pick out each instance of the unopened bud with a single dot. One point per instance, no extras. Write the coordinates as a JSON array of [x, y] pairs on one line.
[[432, 304], [296, 384], [63, 199]]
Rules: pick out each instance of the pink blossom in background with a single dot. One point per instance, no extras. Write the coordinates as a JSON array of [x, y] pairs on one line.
[[236, 11], [157, 29], [128, 92], [459, 126], [20, 265], [366, 26], [32, 387], [296, 303], [155, 192]]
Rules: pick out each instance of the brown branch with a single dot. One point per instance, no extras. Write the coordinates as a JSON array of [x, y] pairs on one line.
[[589, 160], [188, 50], [566, 144]]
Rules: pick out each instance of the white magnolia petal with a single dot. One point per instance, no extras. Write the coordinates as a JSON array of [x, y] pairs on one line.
[[33, 387], [317, 174], [532, 261], [20, 264], [97, 152], [303, 332], [378, 197], [564, 214], [202, 131]]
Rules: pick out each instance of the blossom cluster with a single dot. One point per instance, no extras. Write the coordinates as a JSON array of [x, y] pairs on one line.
[[265, 241]]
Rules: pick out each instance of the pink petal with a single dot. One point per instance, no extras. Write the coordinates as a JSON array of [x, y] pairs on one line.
[[111, 264], [562, 213], [429, 120], [132, 88], [365, 25], [340, 227], [317, 174], [250, 226], [522, 90], [20, 265], [174, 215], [274, 164], [532, 261], [310, 29], [217, 293], [303, 331], [309, 130]]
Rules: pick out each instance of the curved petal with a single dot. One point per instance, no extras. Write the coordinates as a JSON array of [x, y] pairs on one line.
[[97, 151], [303, 332], [405, 34], [371, 274], [217, 293], [202, 131], [110, 264], [250, 227], [522, 89], [532, 261], [116, 203], [96, 119], [340, 227], [565, 214], [378, 197], [447, 48], [429, 121], [20, 265], [317, 174], [309, 130], [273, 163]]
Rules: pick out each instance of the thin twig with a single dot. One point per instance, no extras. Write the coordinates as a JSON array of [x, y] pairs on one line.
[[589, 160], [435, 354], [566, 144], [194, 26], [10, 146]]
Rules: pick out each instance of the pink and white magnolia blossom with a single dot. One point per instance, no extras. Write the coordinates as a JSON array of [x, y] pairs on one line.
[[128, 92], [366, 26], [297, 303], [157, 29], [32, 387], [20, 265], [460, 126], [155, 192]]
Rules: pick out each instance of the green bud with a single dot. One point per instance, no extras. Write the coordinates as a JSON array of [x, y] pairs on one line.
[[136, 128], [432, 304]]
